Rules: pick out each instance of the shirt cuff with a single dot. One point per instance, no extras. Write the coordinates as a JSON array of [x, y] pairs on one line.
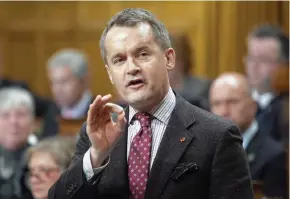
[[87, 165]]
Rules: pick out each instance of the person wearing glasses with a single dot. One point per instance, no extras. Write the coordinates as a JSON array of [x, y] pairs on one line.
[[268, 51], [46, 161]]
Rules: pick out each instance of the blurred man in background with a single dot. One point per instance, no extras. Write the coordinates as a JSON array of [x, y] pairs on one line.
[[230, 97], [16, 125], [68, 74], [41, 104], [192, 88], [268, 50]]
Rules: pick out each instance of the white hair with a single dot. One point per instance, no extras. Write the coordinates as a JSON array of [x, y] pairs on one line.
[[62, 149], [14, 97], [72, 58]]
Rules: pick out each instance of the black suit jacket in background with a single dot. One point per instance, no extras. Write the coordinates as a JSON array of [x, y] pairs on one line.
[[210, 163], [269, 119], [267, 160], [51, 126]]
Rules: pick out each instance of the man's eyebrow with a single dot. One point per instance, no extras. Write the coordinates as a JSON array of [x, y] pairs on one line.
[[140, 48], [116, 55]]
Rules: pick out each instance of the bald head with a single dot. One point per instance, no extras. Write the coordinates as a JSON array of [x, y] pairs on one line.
[[230, 97], [235, 81]]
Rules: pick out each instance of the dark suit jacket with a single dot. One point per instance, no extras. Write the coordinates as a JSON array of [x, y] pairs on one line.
[[269, 119], [267, 161], [14, 185], [210, 163], [52, 117], [195, 86]]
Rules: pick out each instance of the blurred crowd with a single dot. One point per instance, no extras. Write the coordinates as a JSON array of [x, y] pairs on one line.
[[31, 159]]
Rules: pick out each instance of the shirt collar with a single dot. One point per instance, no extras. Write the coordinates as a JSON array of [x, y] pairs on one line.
[[249, 134], [264, 99], [81, 104], [163, 111]]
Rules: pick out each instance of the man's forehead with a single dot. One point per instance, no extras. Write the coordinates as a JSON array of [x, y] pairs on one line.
[[231, 83], [265, 44], [121, 34]]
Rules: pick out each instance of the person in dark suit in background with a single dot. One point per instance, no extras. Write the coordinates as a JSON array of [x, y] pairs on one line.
[[194, 89], [16, 126], [268, 50], [68, 74], [230, 97], [160, 146]]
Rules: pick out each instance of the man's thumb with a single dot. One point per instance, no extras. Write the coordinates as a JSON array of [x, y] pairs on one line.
[[121, 121]]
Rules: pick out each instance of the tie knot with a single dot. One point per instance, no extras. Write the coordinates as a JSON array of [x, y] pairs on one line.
[[144, 119]]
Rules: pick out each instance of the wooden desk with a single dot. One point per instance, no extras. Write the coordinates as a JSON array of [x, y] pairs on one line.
[[70, 127], [257, 187]]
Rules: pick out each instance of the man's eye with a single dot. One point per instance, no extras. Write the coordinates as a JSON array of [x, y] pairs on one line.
[[143, 55], [117, 60]]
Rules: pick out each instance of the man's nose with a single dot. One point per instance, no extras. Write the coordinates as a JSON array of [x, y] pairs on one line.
[[133, 68], [12, 119], [224, 111], [33, 179]]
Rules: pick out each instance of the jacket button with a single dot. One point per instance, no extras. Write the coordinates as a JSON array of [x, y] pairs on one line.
[[68, 192]]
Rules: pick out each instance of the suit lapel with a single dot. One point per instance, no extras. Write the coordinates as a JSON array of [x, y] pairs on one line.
[[252, 152], [174, 143]]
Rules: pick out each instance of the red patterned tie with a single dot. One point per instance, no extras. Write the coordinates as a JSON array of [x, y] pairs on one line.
[[139, 157]]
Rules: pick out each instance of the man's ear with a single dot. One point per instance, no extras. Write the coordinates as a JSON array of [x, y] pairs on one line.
[[109, 73], [170, 58]]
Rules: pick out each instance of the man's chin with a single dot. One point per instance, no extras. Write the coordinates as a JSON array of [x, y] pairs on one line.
[[136, 98]]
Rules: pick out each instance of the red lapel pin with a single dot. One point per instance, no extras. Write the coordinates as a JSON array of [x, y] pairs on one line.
[[182, 139]]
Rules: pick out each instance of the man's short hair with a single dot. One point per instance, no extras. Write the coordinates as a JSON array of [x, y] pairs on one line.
[[131, 17], [72, 58], [275, 32], [14, 97]]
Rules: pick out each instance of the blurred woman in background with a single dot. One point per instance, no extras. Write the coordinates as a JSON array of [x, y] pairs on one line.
[[46, 161]]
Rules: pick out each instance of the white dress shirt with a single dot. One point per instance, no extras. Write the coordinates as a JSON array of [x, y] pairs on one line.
[[264, 99], [161, 116], [78, 111], [249, 134]]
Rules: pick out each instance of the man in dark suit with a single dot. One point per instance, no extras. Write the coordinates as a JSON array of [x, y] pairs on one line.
[[161, 146], [230, 97], [194, 89], [68, 74], [268, 50]]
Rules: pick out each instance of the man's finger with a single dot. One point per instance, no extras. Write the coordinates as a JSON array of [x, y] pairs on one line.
[[93, 110], [121, 121], [114, 108], [105, 99]]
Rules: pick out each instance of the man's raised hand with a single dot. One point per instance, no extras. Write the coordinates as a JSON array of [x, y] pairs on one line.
[[102, 131]]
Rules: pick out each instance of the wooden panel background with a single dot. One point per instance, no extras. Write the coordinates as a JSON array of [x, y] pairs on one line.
[[31, 31]]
